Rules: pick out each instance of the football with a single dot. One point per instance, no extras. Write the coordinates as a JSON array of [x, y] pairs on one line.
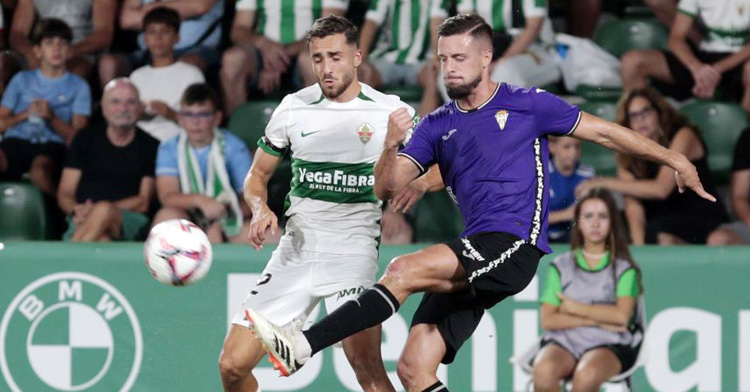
[[177, 252]]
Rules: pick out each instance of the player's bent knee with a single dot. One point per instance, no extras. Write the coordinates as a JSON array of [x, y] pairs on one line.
[[232, 369]]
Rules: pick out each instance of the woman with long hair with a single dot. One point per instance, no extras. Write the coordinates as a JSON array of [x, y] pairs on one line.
[[588, 302], [656, 211]]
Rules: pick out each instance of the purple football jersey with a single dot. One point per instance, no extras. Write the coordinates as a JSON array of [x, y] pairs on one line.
[[493, 159]]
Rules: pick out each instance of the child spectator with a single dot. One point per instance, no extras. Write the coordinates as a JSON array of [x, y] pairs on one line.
[[162, 83], [42, 110], [566, 173], [200, 172]]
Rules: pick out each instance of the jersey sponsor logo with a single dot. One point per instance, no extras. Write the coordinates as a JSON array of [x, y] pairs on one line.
[[470, 252], [70, 331], [501, 117], [449, 134], [335, 177], [303, 134], [365, 132]]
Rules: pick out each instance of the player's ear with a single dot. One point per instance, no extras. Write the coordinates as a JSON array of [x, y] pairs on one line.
[[487, 57], [357, 57]]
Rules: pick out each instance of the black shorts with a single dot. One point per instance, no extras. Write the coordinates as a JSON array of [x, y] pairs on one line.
[[626, 354], [21, 153], [693, 229], [730, 84], [498, 265]]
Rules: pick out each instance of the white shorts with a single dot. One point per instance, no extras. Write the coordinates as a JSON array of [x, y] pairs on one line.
[[294, 281]]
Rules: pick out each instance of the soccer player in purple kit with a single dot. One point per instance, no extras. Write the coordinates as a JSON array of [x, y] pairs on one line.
[[490, 143]]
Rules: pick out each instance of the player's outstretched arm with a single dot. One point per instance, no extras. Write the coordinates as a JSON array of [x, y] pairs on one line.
[[618, 138], [256, 196], [392, 173]]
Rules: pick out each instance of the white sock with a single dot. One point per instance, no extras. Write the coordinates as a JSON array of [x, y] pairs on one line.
[[302, 349]]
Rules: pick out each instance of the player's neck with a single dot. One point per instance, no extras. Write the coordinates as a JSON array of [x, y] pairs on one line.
[[481, 94], [350, 93]]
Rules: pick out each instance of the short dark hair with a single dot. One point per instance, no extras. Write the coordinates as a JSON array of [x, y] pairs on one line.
[[466, 23], [332, 24], [198, 93], [164, 15], [51, 28]]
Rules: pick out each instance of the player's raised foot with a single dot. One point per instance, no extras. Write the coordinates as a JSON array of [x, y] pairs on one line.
[[277, 341]]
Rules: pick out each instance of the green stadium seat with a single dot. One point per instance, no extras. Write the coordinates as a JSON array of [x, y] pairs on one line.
[[605, 110], [618, 37], [602, 159], [721, 124], [437, 218], [248, 122], [22, 212], [598, 93]]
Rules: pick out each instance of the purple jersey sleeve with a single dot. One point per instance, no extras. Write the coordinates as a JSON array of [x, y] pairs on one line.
[[421, 148], [553, 115]]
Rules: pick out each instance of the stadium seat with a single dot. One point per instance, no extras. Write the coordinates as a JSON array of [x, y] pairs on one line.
[[23, 212], [721, 124], [618, 37], [248, 121], [602, 159], [598, 93], [437, 218], [605, 110]]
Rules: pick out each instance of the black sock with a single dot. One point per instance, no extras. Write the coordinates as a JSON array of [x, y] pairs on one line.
[[373, 307], [436, 387]]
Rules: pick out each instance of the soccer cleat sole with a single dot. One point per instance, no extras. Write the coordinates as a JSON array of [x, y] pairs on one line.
[[271, 358]]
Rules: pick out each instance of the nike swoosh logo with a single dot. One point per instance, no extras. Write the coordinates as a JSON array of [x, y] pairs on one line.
[[310, 133]]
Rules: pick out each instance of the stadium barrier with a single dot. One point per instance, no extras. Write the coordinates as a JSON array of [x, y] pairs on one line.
[[91, 318]]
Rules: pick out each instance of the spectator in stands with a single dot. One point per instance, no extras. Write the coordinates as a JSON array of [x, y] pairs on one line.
[[524, 53], [588, 302], [162, 82], [738, 232], [200, 35], [92, 22], [200, 172], [42, 110], [721, 60], [654, 207], [107, 185], [565, 174], [269, 48], [399, 58]]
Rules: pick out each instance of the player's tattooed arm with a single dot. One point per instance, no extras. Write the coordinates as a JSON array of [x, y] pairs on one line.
[[256, 196]]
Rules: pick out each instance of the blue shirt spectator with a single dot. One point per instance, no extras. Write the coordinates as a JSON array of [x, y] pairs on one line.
[[236, 155], [562, 196], [67, 95]]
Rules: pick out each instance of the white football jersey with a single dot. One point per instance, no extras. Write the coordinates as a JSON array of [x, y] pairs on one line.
[[332, 205]]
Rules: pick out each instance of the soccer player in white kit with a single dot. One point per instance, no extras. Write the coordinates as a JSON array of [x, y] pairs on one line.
[[336, 131]]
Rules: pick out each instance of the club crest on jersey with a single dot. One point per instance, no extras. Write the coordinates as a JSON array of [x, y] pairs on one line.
[[365, 132], [501, 117]]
